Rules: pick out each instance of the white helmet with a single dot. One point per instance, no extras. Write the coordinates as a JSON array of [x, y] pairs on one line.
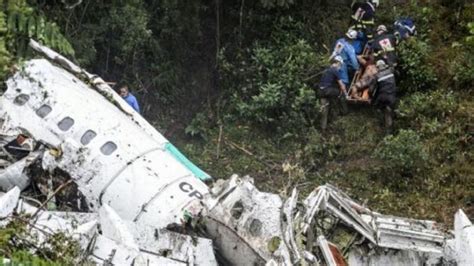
[[381, 64], [338, 58], [382, 28], [375, 2], [351, 34]]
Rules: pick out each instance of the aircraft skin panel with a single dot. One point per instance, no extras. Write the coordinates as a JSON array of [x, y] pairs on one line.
[[178, 200], [140, 182]]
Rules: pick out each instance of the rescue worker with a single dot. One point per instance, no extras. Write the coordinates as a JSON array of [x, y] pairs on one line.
[[384, 46], [331, 87], [358, 42], [385, 95], [129, 98], [346, 51], [363, 15], [404, 28]]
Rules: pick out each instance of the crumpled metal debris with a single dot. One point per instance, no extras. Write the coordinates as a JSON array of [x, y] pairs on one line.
[[137, 186], [106, 238], [381, 239]]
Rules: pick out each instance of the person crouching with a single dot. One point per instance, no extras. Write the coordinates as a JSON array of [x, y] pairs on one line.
[[332, 87]]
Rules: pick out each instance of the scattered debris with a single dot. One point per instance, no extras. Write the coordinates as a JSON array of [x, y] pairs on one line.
[[125, 195]]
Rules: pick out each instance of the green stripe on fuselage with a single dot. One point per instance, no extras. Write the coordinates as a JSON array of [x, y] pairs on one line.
[[186, 162]]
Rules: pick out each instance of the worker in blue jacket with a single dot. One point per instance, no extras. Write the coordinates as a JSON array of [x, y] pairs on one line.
[[345, 49], [129, 98]]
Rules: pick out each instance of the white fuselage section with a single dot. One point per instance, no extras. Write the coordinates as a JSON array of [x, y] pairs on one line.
[[112, 159]]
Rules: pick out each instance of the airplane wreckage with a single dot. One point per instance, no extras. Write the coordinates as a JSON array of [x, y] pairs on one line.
[[133, 199]]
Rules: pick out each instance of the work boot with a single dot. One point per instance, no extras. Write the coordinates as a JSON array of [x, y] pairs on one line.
[[324, 113]]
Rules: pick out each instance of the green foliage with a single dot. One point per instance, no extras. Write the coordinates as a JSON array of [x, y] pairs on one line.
[[18, 23], [25, 22], [415, 108], [17, 243], [401, 154], [275, 3], [416, 71], [462, 64], [462, 70], [273, 85], [470, 38], [23, 257], [198, 126], [5, 57]]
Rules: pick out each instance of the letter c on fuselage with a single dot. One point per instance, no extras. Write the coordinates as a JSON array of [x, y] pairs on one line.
[[186, 187]]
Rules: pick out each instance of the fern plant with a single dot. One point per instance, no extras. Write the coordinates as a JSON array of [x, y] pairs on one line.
[[18, 23], [25, 22]]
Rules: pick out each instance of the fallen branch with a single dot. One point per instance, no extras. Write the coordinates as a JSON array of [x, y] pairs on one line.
[[244, 150], [62, 186]]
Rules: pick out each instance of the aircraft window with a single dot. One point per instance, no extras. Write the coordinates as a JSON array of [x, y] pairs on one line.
[[108, 148], [87, 137], [66, 123], [44, 110], [21, 99]]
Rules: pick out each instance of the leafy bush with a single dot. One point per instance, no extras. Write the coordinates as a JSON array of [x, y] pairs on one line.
[[273, 84], [470, 38], [462, 64], [5, 57], [425, 111], [401, 154], [463, 70], [198, 126], [438, 103], [416, 72]]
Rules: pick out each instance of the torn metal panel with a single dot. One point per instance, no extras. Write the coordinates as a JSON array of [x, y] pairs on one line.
[[408, 234], [8, 202], [114, 228], [464, 239], [338, 204], [315, 202], [108, 251], [356, 206], [15, 173], [145, 259], [179, 247], [289, 224], [76, 217], [358, 257], [328, 256], [250, 221], [44, 224], [348, 220], [152, 240]]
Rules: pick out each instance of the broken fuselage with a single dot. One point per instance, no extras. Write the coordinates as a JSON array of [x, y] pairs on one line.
[[111, 158]]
